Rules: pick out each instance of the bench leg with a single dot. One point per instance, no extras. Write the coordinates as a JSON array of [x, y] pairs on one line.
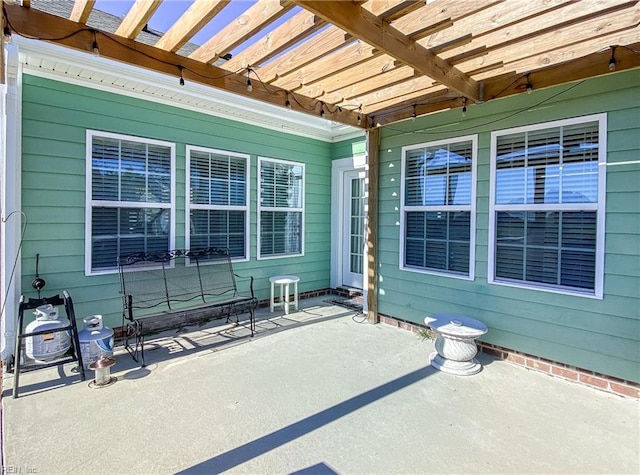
[[138, 337], [295, 294]]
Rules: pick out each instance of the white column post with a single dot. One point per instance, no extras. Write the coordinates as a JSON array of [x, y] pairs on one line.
[[10, 186]]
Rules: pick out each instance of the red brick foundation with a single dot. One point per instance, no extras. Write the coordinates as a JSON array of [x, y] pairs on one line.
[[541, 365]]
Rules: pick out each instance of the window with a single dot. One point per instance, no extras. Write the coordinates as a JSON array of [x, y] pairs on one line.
[[547, 206], [130, 198], [438, 207], [281, 208], [217, 201]]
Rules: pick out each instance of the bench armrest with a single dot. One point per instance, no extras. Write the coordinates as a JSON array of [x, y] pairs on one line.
[[250, 277]]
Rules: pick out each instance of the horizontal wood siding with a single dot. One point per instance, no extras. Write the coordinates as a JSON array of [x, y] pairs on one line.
[[55, 118], [600, 335], [349, 148]]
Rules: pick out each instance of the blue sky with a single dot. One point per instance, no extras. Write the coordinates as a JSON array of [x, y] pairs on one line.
[[170, 10]]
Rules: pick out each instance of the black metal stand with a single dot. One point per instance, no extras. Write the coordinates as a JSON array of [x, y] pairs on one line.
[[73, 354]]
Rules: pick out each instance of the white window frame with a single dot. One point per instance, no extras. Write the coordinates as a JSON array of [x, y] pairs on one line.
[[448, 208], [90, 203], [269, 208], [190, 206], [599, 207]]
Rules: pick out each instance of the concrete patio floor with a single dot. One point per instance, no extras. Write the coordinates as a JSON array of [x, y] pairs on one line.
[[315, 392]]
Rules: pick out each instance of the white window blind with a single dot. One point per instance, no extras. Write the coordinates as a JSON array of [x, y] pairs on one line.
[[281, 208], [218, 200], [438, 207], [130, 198], [547, 205]]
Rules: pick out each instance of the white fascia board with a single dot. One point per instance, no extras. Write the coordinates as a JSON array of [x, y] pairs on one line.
[[245, 109]]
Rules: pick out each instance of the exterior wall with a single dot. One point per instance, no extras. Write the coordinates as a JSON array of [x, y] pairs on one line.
[[599, 335], [349, 148], [55, 118]]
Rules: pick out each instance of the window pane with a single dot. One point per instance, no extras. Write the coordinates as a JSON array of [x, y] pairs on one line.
[[281, 187], [120, 231], [438, 240], [579, 229], [280, 232], [580, 182], [218, 180], [415, 180], [438, 175], [459, 162], [237, 181], [555, 165], [128, 171], [105, 169], [556, 248], [218, 228], [578, 269], [124, 170], [436, 225]]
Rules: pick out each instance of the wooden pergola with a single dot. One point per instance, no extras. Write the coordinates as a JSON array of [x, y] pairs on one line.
[[364, 63]]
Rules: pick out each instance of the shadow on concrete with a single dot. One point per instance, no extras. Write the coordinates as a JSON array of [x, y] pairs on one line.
[[264, 444], [317, 469], [209, 336]]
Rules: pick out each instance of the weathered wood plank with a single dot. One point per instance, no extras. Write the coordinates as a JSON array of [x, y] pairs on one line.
[[137, 17], [197, 16], [289, 33], [81, 10], [361, 23], [259, 15]]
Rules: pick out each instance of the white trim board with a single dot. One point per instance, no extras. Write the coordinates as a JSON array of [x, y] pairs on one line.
[[79, 68]]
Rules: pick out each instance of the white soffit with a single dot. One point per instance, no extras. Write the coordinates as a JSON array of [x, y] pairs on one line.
[[76, 67]]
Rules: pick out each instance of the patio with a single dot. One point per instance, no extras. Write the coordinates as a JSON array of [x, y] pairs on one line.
[[317, 391]]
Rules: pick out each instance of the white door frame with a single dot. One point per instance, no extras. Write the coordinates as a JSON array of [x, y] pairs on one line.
[[349, 278], [338, 169]]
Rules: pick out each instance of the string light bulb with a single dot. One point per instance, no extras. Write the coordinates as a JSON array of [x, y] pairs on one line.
[[612, 60], [464, 107], [249, 85], [359, 119], [529, 86], [96, 50], [181, 77], [287, 104], [414, 115], [6, 32]]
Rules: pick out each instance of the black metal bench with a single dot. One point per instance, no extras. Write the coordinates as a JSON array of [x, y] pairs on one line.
[[186, 287]]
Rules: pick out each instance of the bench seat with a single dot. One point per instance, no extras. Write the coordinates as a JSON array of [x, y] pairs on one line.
[[178, 288]]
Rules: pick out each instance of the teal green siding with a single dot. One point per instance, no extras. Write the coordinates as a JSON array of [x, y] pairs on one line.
[[55, 119], [349, 148], [599, 335]]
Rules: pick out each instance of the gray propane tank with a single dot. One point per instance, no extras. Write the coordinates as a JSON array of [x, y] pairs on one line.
[[48, 346], [96, 340]]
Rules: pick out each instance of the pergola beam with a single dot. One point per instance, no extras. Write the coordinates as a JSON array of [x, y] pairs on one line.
[[295, 29], [81, 10], [137, 18], [35, 23], [197, 16], [257, 16], [363, 24]]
